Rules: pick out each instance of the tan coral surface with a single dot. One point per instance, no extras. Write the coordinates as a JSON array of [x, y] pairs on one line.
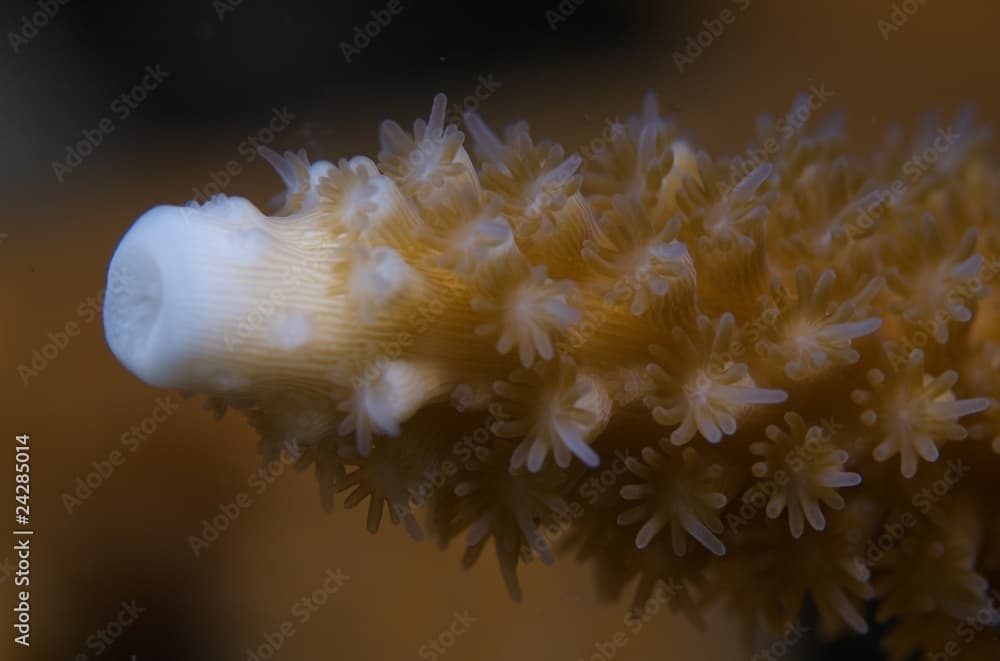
[[788, 357]]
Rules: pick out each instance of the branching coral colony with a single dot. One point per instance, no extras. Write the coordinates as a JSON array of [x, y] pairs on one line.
[[770, 382]]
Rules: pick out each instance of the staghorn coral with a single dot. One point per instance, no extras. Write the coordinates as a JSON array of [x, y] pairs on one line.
[[483, 340]]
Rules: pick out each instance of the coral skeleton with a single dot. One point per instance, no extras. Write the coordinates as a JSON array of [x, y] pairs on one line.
[[788, 357]]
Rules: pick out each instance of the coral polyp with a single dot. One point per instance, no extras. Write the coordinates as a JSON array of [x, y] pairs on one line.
[[466, 335]]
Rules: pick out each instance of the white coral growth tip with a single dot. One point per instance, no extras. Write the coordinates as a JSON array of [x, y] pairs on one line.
[[189, 284]]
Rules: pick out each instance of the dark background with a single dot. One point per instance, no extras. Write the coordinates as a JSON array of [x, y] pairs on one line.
[[227, 65], [129, 540]]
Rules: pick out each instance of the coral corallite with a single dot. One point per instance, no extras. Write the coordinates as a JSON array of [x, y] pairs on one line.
[[782, 361]]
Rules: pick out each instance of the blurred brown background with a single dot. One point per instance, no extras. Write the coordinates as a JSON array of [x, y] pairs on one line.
[[130, 539]]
